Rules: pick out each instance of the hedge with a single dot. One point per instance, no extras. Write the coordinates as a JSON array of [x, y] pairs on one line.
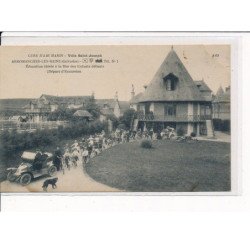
[[13, 142]]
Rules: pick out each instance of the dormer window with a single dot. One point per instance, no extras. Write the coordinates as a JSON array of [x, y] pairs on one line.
[[170, 82], [169, 85]]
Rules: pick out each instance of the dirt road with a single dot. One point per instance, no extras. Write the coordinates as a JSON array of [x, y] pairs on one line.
[[74, 180]]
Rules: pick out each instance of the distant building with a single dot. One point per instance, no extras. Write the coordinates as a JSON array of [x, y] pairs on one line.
[[12, 107], [109, 107], [83, 115], [39, 109], [174, 99], [221, 104]]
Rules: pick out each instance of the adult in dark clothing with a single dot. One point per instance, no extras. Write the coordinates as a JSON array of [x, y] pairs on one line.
[[39, 160], [57, 159], [89, 148], [37, 164], [151, 131]]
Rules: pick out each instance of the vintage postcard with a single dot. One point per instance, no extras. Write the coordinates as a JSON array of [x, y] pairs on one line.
[[150, 118]]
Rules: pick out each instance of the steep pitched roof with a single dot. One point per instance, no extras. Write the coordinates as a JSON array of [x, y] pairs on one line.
[[223, 96], [203, 87], [65, 99], [109, 102], [26, 106], [37, 104], [14, 104], [136, 98], [219, 92], [205, 91], [82, 113], [186, 89]]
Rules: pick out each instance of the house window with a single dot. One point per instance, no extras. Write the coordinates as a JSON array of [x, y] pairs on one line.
[[170, 82], [141, 108], [169, 85], [170, 109]]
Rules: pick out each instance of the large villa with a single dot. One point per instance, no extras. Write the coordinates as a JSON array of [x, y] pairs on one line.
[[173, 98]]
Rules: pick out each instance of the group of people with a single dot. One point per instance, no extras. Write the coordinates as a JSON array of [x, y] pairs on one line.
[[88, 147], [81, 151]]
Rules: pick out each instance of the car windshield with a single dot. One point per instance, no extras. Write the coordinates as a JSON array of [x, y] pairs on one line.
[[24, 164]]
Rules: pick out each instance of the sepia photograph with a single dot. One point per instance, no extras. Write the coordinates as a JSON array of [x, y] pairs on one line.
[[124, 124], [116, 118]]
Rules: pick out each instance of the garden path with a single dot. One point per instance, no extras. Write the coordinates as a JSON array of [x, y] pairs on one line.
[[74, 180]]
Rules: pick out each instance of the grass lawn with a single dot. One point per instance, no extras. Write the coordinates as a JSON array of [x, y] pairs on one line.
[[170, 166]]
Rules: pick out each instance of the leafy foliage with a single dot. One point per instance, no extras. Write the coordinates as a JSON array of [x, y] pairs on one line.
[[127, 118], [114, 120], [66, 114], [193, 134], [92, 107], [62, 113], [13, 142]]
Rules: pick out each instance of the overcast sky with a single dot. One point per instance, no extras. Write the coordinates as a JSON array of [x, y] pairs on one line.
[[136, 65]]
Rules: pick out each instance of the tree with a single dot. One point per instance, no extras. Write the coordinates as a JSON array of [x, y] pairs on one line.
[[127, 117], [92, 107], [62, 113]]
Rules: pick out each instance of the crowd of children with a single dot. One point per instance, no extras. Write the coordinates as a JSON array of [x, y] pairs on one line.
[[88, 147]]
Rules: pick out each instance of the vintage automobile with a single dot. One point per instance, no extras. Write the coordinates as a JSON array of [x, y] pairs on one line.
[[28, 169]]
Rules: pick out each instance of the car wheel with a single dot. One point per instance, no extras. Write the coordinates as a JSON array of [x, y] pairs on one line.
[[11, 177], [25, 179], [52, 170]]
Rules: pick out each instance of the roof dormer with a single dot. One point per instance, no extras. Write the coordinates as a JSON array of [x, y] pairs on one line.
[[170, 82]]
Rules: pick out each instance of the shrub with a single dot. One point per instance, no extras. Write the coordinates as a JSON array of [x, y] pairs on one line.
[[146, 144], [180, 131], [193, 134]]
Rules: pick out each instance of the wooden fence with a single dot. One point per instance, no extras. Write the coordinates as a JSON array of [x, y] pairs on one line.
[[30, 126]]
